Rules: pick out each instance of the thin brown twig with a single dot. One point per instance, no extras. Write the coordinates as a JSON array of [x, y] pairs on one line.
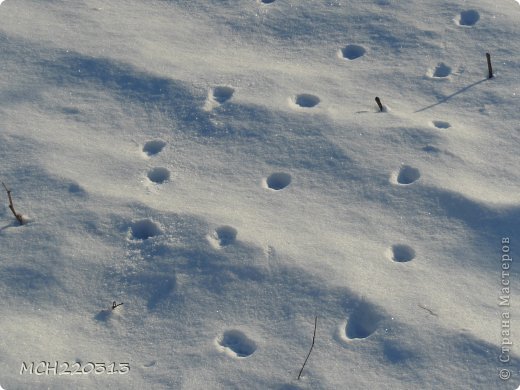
[[312, 346], [11, 205]]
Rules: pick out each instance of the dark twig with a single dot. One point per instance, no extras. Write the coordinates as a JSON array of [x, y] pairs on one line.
[[490, 69], [428, 310], [312, 346], [378, 101], [114, 304], [11, 206]]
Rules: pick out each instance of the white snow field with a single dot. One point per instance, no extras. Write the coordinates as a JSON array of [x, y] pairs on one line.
[[222, 169]]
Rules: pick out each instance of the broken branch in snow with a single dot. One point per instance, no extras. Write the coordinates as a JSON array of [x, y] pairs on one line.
[[114, 304], [490, 69], [378, 101], [312, 346], [11, 206]]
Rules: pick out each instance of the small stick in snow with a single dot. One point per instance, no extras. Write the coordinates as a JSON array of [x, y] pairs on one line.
[[114, 304], [11, 206], [490, 69], [428, 310], [312, 346], [378, 101]]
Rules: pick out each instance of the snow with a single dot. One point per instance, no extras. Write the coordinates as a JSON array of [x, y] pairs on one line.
[[222, 169]]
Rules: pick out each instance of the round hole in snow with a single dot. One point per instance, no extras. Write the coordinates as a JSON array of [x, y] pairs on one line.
[[153, 147], [441, 70], [441, 124], [402, 253], [306, 100], [431, 149], [351, 52], [158, 175], [222, 94], [469, 18], [75, 188], [144, 229], [226, 235], [237, 343], [408, 175], [278, 181], [363, 321]]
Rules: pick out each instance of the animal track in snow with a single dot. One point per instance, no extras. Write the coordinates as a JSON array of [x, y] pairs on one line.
[[431, 149], [468, 18], [352, 52], [441, 71], [217, 96], [402, 253], [153, 147], [441, 124], [223, 236], [306, 100], [363, 321], [266, 1], [159, 175], [236, 344], [222, 94], [406, 175], [144, 229], [278, 181], [75, 188]]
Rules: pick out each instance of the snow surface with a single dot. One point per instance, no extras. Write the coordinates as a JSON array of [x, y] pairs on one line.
[[220, 167]]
